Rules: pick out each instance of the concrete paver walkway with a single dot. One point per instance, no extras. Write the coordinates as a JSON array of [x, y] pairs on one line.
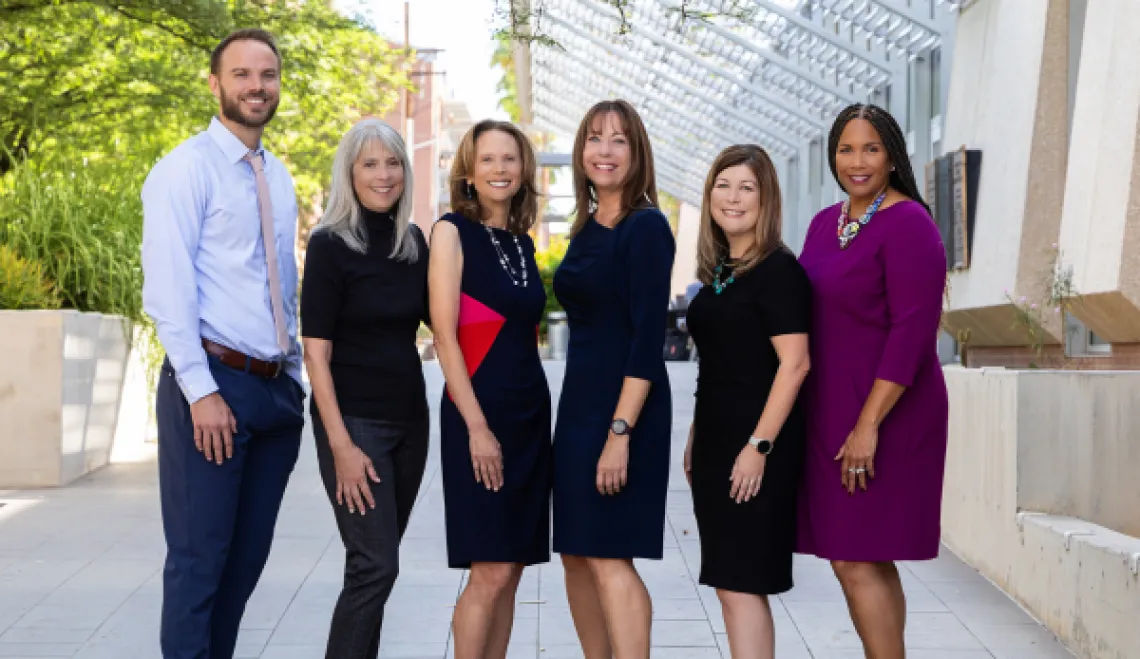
[[80, 576]]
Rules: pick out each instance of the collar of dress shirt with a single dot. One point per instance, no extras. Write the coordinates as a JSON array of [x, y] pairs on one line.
[[232, 147]]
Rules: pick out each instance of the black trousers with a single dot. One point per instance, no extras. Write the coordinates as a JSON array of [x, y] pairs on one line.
[[398, 451]]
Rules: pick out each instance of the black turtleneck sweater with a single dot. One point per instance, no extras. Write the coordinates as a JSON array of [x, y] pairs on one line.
[[369, 306]]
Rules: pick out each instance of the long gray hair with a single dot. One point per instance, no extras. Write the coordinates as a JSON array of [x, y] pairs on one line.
[[342, 215]]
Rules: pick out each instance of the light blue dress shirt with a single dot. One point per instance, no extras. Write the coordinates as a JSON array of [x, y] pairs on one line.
[[204, 260]]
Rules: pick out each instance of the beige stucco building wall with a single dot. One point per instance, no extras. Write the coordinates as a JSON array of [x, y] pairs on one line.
[[1100, 229], [60, 394], [685, 259], [1008, 98], [1040, 496]]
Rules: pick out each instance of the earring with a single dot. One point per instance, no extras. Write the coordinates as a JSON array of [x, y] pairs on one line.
[[470, 190], [647, 199]]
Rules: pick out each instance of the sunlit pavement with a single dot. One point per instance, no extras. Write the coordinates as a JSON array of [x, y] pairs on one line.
[[80, 576]]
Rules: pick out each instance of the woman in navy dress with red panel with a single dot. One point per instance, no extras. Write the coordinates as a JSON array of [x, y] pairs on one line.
[[486, 303], [611, 445]]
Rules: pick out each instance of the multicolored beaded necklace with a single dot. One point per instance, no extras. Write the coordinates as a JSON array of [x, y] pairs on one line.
[[718, 286], [848, 230]]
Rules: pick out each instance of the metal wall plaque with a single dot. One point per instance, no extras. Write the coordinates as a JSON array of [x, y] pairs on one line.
[[951, 188]]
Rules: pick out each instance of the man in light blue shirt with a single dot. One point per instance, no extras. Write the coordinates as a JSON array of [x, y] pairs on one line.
[[220, 282]]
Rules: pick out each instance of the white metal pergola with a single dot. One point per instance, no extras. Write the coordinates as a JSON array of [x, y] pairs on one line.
[[769, 72]]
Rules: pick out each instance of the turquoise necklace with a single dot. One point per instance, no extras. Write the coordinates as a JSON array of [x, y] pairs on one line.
[[848, 230], [718, 286]]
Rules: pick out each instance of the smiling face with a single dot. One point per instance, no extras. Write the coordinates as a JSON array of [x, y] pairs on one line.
[[734, 201], [248, 83], [497, 173], [861, 160], [377, 177], [606, 153]]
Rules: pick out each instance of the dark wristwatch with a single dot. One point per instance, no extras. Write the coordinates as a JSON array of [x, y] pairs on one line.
[[762, 446], [620, 427]]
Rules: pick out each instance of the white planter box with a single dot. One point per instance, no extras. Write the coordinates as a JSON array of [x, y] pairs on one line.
[[61, 388]]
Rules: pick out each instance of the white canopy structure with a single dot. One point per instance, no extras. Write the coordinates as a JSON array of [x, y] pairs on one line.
[[705, 74]]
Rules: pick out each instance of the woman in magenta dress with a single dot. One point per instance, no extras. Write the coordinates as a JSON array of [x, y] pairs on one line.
[[876, 400]]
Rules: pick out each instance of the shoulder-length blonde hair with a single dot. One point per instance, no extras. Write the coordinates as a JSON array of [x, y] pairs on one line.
[[343, 216], [464, 198], [639, 189], [712, 245]]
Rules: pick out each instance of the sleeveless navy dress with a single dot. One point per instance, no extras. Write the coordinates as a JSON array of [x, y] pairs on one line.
[[614, 286], [498, 324]]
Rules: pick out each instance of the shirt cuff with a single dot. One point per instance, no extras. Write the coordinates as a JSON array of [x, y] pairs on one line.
[[196, 382]]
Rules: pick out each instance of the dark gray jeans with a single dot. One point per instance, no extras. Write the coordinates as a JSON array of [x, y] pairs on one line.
[[372, 541]]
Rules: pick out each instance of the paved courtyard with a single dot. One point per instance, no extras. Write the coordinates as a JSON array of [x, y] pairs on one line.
[[80, 576]]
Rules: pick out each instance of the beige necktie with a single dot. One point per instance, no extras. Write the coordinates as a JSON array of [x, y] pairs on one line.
[[269, 238]]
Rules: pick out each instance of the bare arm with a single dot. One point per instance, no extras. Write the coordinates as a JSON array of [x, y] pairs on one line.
[[785, 302], [321, 303], [792, 350], [445, 275], [884, 394], [318, 354], [634, 391], [914, 269], [748, 472]]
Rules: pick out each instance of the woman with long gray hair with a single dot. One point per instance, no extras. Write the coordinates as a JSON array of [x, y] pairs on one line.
[[363, 296]]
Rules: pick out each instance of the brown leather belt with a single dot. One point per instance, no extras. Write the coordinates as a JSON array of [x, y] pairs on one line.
[[242, 361]]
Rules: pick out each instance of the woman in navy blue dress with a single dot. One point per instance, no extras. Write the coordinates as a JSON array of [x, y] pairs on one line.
[[611, 443], [486, 303]]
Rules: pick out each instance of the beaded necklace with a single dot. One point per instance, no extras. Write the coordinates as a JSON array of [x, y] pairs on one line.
[[848, 230], [505, 263], [718, 286]]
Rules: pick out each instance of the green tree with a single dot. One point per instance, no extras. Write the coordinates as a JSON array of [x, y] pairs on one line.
[[504, 58], [124, 81]]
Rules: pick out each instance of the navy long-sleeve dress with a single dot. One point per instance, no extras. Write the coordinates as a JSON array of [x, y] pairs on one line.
[[614, 286]]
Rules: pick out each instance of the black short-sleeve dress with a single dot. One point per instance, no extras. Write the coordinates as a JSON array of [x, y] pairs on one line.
[[746, 547]]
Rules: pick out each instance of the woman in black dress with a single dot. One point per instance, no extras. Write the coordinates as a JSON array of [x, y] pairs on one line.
[[363, 297], [486, 303], [746, 444]]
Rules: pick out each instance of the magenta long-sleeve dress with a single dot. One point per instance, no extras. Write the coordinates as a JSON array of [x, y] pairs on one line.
[[875, 314]]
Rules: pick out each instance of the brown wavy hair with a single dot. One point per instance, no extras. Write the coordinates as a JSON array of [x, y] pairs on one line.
[[524, 205], [712, 244], [639, 189]]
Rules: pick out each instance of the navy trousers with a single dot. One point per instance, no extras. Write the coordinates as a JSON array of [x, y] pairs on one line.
[[219, 519]]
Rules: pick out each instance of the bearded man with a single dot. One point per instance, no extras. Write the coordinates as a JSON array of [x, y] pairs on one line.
[[220, 282]]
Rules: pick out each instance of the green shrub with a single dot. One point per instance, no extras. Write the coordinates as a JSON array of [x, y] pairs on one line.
[[23, 284], [84, 226], [548, 261]]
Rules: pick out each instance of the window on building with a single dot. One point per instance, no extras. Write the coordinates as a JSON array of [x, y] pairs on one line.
[[1080, 341], [935, 82]]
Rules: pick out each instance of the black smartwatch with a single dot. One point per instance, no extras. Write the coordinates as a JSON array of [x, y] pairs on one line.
[[762, 446], [620, 427]]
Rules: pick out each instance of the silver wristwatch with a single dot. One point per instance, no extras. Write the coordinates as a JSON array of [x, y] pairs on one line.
[[762, 446]]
